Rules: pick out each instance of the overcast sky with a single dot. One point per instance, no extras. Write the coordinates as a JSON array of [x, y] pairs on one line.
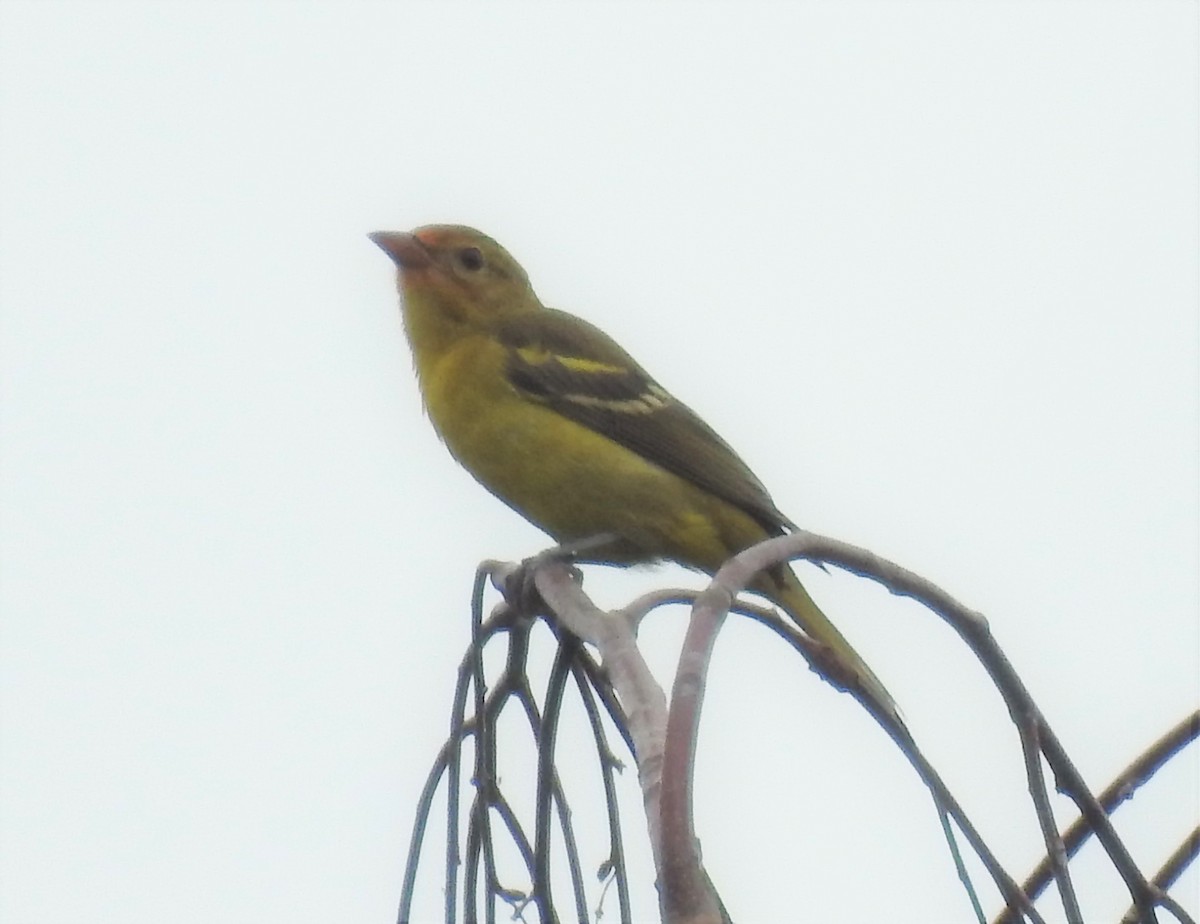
[[931, 267]]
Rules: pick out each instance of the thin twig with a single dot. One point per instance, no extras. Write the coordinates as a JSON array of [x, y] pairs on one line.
[[642, 699], [973, 629], [424, 804], [728, 582], [1029, 731], [549, 788], [1122, 788], [608, 764], [943, 797], [1179, 860]]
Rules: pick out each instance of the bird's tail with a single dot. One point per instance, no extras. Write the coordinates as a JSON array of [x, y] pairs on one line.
[[838, 662]]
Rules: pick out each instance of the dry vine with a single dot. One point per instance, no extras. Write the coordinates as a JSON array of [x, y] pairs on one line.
[[662, 736]]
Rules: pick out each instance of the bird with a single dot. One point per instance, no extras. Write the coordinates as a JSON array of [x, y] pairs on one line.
[[554, 418]]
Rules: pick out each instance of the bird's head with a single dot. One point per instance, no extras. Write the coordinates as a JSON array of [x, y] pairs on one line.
[[460, 272]]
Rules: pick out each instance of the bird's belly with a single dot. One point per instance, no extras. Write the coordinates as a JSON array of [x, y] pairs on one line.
[[575, 483]]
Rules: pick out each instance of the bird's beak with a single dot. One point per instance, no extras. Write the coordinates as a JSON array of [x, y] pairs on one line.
[[406, 251]]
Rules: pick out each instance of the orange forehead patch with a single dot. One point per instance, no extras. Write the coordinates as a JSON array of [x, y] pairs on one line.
[[434, 236]]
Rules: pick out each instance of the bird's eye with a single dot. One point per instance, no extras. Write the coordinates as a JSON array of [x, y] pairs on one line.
[[471, 259]]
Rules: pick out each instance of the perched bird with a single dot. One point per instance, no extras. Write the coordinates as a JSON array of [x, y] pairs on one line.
[[548, 413]]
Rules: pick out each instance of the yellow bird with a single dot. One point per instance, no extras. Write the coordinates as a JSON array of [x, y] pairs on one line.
[[548, 413]]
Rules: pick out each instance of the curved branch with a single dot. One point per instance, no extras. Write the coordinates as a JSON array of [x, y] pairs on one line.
[[1179, 860], [686, 891], [973, 628], [1123, 787]]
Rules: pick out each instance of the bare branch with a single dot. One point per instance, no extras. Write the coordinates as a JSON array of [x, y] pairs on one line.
[[687, 694], [973, 628], [685, 892], [1171, 870], [1031, 748], [664, 743], [1123, 786]]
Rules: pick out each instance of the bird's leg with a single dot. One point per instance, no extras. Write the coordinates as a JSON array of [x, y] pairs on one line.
[[576, 549], [520, 590]]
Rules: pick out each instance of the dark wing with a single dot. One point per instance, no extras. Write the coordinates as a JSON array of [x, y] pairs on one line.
[[562, 361]]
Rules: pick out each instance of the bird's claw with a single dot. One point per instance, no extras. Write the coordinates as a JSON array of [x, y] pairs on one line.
[[520, 589]]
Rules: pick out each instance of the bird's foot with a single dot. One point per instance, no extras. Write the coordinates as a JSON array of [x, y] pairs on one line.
[[520, 590]]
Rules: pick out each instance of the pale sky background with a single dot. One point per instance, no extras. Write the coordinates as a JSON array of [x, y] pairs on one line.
[[930, 267]]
